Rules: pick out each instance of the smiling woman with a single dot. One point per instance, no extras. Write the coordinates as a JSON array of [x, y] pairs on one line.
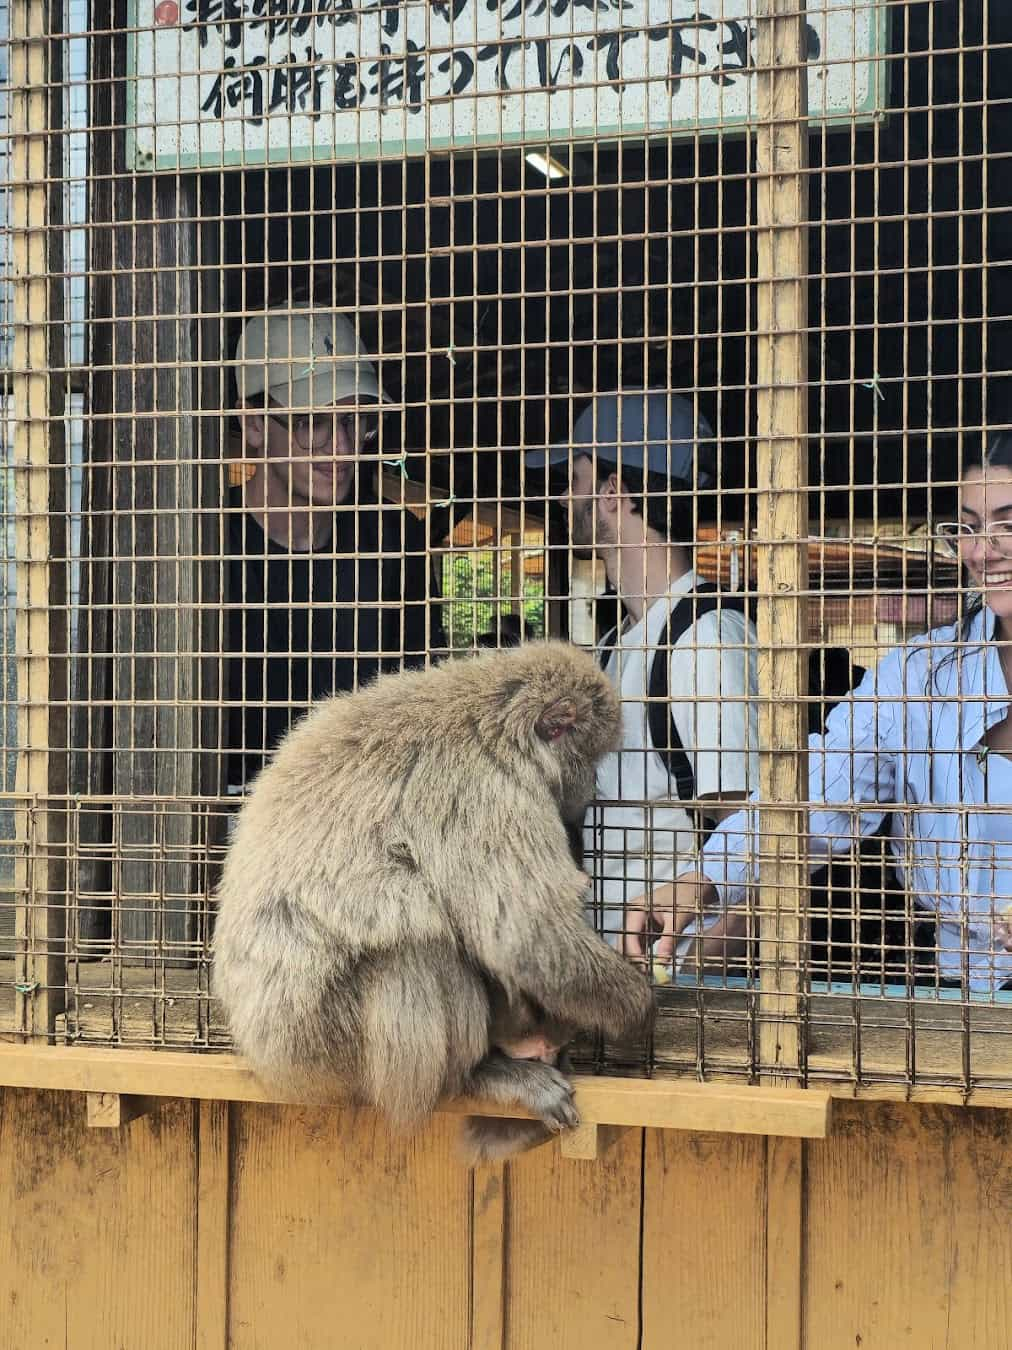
[[927, 741], [982, 538]]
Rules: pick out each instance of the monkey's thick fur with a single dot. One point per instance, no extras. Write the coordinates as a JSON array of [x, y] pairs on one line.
[[399, 902]]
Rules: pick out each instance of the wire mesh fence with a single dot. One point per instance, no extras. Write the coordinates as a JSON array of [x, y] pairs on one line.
[[344, 338]]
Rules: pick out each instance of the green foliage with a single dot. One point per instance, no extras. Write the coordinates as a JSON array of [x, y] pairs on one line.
[[474, 592]]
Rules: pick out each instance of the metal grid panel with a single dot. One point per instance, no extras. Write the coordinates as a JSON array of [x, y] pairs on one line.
[[791, 216]]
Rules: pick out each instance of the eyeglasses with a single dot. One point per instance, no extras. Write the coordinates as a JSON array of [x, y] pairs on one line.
[[958, 534], [312, 430]]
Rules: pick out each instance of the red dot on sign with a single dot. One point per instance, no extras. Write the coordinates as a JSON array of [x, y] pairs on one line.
[[167, 12]]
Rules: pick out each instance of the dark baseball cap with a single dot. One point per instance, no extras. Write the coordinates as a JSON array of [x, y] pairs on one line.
[[649, 429]]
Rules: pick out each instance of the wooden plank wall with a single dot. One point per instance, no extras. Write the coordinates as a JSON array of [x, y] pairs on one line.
[[253, 1227]]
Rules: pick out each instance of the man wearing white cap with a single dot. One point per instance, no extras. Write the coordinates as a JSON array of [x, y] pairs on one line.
[[326, 584], [681, 659]]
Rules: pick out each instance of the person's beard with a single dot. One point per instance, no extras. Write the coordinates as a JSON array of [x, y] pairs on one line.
[[585, 530]]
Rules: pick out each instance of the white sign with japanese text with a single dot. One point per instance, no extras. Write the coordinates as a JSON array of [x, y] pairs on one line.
[[216, 82]]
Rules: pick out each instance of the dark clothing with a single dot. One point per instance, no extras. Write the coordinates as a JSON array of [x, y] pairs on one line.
[[304, 625]]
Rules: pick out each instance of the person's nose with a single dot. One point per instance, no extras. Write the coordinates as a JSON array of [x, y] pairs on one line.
[[343, 441], [320, 431], [981, 548]]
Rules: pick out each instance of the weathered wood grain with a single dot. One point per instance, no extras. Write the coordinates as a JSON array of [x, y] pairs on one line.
[[573, 1240], [97, 1244], [344, 1234], [704, 1241]]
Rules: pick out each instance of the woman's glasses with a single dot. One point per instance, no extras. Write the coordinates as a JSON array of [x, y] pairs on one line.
[[957, 534]]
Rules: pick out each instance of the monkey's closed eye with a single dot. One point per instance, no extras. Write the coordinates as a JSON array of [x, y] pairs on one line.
[[556, 719]]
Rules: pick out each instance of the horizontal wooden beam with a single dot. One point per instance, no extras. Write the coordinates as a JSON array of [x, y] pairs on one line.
[[226, 1077], [660, 1104], [673, 1104]]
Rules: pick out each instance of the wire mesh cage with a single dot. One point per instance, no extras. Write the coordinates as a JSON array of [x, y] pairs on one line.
[[345, 338]]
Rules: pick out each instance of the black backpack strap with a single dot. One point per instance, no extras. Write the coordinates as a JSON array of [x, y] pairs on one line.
[[664, 736], [831, 676], [605, 648]]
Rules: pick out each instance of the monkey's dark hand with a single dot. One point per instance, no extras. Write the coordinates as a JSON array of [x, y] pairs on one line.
[[574, 977], [549, 1094], [540, 1087], [528, 1082]]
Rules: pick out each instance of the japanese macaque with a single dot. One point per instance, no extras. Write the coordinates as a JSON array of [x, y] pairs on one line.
[[400, 914]]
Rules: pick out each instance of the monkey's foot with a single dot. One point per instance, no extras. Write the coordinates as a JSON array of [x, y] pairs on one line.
[[485, 1139]]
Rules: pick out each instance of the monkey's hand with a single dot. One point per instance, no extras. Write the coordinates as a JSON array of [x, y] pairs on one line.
[[527, 1082], [530, 935], [580, 980], [549, 1094]]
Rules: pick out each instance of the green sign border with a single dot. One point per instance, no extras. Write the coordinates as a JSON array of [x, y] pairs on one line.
[[872, 110]]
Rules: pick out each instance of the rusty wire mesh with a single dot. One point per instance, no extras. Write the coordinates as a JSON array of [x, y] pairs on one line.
[[518, 208]]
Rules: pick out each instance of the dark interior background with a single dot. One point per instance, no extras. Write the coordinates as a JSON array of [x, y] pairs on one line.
[[899, 249]]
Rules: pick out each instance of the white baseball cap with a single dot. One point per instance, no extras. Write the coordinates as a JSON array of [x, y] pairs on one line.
[[304, 358]]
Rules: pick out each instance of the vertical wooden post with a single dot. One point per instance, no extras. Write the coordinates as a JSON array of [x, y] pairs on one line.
[[91, 697], [782, 471], [148, 659], [35, 118]]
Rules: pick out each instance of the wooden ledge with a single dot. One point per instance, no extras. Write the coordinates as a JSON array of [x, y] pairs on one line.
[[667, 1104]]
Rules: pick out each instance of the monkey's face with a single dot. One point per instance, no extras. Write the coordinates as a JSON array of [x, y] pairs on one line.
[[523, 1030], [537, 1045]]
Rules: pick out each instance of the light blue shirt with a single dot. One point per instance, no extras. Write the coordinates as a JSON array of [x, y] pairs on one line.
[[909, 738]]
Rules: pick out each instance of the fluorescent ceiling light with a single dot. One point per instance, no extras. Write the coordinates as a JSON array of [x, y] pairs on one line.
[[546, 163]]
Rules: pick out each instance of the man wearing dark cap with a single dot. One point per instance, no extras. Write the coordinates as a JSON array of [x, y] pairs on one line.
[[681, 658], [326, 585]]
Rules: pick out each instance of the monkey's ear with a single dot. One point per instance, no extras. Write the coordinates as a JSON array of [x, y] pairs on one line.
[[556, 719]]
